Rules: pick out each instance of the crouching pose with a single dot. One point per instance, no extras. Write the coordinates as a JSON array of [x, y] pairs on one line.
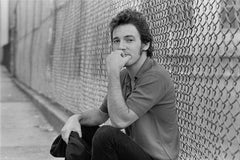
[[140, 99]]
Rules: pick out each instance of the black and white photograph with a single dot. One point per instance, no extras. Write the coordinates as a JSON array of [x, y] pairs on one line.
[[120, 79]]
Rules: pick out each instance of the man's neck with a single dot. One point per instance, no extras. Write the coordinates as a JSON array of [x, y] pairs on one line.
[[133, 69]]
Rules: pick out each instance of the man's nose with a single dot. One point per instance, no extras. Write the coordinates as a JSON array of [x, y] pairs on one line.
[[122, 45]]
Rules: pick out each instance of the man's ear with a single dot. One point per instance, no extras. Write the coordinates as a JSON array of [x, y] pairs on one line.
[[145, 46]]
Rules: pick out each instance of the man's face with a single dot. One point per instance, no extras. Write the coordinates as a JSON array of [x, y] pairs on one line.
[[127, 38]]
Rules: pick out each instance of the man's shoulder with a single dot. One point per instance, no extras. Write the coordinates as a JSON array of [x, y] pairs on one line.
[[157, 70]]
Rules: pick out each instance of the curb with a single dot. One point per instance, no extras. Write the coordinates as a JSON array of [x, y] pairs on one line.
[[55, 114]]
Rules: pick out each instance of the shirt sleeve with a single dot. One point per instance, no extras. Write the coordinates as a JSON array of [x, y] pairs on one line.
[[148, 91]]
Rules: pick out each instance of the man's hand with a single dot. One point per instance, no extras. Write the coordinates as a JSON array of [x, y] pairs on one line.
[[72, 124], [116, 61]]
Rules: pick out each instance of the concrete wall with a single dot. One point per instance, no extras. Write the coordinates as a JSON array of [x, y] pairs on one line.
[[4, 38], [4, 22]]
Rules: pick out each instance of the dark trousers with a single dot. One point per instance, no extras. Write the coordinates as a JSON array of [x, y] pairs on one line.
[[109, 143]]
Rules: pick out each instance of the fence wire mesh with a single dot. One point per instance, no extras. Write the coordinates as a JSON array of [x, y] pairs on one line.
[[61, 47]]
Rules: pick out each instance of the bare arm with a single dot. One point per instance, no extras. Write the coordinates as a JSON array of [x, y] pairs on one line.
[[120, 115], [92, 117]]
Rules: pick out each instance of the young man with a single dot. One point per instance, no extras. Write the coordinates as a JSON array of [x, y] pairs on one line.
[[140, 99]]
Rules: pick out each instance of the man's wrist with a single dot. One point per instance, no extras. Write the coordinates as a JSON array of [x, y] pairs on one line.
[[114, 81], [77, 117], [114, 77], [113, 71]]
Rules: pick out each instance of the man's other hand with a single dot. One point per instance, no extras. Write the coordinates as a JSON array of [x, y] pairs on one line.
[[72, 124]]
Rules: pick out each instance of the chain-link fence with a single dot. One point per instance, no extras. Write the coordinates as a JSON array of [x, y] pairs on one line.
[[60, 48]]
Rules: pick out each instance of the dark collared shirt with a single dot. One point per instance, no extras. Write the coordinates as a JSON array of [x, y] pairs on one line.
[[152, 98]]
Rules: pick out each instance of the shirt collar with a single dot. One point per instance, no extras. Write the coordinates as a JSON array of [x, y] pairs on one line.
[[146, 65]]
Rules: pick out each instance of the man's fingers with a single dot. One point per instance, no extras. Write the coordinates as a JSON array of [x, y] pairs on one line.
[[119, 52], [65, 135], [122, 54], [80, 134], [127, 58]]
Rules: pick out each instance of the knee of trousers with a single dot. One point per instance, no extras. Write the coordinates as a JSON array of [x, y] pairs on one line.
[[105, 134]]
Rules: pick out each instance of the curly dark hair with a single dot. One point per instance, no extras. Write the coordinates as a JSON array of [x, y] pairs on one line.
[[129, 16]]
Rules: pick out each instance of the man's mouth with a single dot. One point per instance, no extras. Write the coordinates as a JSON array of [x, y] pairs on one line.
[[125, 54]]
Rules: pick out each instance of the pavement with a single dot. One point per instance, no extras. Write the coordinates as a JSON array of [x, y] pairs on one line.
[[25, 132]]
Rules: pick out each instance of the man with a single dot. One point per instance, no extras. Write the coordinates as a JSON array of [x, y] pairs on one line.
[[140, 99]]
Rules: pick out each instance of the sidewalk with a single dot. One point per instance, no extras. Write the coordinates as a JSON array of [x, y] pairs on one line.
[[25, 133]]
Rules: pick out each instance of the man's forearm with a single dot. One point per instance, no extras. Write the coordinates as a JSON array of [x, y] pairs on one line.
[[117, 108], [92, 117], [120, 115]]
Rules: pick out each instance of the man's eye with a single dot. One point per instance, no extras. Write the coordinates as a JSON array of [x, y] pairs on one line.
[[129, 40], [115, 41]]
